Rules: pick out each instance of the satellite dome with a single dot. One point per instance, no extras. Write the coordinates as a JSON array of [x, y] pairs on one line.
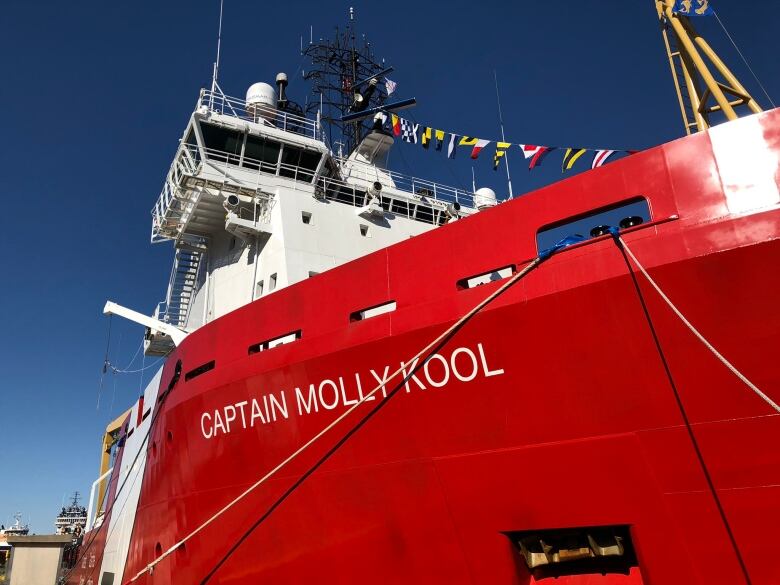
[[261, 100], [484, 197]]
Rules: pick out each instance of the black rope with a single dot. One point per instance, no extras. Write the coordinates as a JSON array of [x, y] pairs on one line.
[[290, 490], [686, 421], [105, 361]]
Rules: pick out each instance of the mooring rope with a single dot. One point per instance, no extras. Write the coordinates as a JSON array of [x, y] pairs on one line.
[[693, 329]]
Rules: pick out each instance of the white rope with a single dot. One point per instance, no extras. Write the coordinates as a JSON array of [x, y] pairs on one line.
[[135, 355], [693, 329], [118, 371], [345, 414]]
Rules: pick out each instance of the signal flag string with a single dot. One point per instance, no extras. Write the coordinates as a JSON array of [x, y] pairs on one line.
[[408, 132]]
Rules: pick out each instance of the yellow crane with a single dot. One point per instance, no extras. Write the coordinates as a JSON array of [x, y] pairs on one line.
[[699, 92]]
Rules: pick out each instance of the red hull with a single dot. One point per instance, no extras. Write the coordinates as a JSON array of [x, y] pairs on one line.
[[582, 428]]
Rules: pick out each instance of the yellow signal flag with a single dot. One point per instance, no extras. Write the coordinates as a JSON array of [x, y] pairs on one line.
[[571, 156], [426, 137], [500, 152], [467, 141]]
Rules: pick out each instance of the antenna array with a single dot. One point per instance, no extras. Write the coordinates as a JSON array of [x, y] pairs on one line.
[[338, 65]]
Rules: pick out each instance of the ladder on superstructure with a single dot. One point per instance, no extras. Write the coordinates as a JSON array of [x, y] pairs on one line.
[[181, 287]]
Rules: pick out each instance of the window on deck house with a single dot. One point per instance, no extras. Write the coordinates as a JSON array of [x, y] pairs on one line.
[[222, 143], [306, 162], [261, 154]]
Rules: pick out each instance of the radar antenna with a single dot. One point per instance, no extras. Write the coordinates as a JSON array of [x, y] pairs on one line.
[[695, 84]]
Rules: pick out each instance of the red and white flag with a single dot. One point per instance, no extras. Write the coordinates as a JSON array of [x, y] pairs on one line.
[[530, 149], [601, 157], [535, 153], [478, 147]]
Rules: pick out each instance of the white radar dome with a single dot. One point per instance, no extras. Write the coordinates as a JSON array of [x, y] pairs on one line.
[[261, 100], [484, 197]]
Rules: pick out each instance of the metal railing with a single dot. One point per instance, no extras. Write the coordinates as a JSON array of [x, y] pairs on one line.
[[176, 203], [273, 118], [419, 208], [406, 183], [422, 195]]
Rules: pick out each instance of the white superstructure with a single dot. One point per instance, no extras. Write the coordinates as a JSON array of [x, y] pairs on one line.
[[255, 201]]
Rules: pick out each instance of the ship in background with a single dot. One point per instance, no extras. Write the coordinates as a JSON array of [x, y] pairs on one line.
[[17, 528], [72, 518], [371, 377]]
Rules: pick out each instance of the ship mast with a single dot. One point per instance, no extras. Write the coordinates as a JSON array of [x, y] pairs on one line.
[[695, 83], [340, 68]]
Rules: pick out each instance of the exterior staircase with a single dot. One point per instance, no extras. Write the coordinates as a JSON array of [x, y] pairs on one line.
[[181, 286], [175, 309]]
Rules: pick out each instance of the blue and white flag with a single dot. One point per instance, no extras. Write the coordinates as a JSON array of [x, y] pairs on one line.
[[409, 131], [453, 147], [390, 85], [692, 7]]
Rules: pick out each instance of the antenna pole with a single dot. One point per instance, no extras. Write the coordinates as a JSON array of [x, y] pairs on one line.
[[219, 47], [503, 138], [473, 180]]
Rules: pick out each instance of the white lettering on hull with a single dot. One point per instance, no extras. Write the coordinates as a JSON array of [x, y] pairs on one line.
[[437, 371]]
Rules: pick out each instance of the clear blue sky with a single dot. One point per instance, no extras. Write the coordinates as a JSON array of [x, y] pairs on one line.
[[94, 96]]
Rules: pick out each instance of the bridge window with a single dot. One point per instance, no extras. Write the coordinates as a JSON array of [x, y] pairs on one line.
[[298, 163], [191, 149], [191, 140], [222, 143], [400, 207], [261, 154], [425, 213]]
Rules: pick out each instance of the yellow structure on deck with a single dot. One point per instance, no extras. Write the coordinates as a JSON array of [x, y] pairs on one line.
[[110, 437], [696, 85]]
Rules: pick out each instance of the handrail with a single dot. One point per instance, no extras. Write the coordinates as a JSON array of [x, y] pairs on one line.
[[220, 103], [408, 183], [190, 158]]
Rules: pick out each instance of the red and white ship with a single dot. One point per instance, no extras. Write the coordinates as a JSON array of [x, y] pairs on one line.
[[371, 378]]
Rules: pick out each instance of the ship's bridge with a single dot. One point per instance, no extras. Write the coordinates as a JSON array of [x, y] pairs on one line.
[[230, 147], [255, 200]]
